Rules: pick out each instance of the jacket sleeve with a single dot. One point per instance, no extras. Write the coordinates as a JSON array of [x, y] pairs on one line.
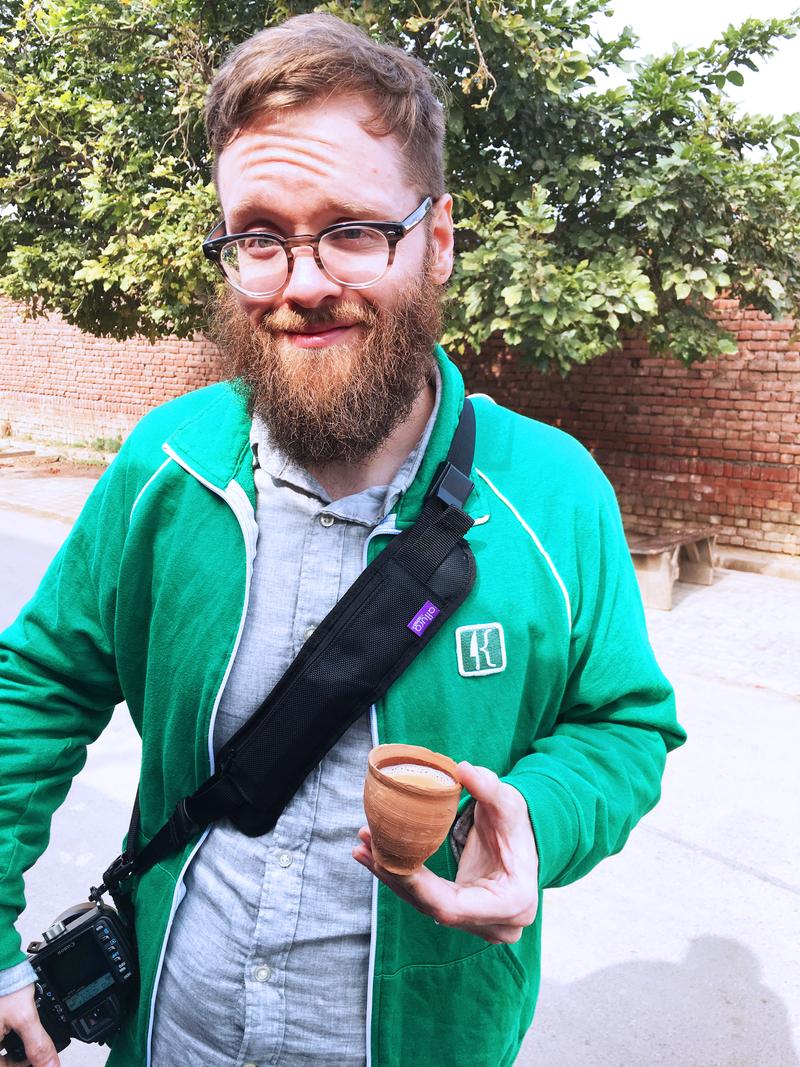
[[58, 688], [599, 771]]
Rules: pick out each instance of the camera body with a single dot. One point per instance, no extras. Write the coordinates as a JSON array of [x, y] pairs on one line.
[[86, 976]]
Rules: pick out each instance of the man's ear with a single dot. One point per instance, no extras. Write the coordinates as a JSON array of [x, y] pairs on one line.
[[441, 239]]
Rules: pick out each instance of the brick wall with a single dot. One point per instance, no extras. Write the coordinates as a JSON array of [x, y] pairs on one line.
[[716, 443], [59, 383]]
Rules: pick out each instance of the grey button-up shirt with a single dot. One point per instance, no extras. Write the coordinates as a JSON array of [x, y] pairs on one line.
[[267, 960]]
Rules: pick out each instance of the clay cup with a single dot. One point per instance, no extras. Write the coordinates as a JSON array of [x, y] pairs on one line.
[[410, 799]]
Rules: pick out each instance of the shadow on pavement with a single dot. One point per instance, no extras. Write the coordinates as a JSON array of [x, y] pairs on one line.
[[709, 1010]]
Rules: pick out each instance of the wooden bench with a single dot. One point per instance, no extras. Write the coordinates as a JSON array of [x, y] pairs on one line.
[[659, 560]]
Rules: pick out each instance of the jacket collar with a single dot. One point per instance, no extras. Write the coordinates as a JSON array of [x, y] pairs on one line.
[[450, 405], [215, 442]]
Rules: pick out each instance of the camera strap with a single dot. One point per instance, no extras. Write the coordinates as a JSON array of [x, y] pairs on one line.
[[389, 614]]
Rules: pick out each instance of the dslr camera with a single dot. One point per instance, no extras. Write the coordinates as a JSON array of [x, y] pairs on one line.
[[86, 977]]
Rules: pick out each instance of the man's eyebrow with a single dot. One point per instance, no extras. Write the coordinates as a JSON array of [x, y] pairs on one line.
[[257, 209]]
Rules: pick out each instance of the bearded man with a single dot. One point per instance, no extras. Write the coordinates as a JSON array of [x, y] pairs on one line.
[[233, 521]]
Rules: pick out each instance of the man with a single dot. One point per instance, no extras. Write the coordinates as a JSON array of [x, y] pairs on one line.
[[232, 522]]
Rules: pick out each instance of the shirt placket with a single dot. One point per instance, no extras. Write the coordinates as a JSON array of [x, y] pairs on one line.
[[282, 885]]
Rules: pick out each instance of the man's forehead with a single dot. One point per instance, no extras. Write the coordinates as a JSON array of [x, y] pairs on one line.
[[318, 146]]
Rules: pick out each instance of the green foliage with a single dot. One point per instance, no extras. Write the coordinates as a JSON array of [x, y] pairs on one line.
[[106, 444], [586, 208]]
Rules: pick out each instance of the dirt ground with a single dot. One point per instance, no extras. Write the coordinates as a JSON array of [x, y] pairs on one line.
[[33, 460]]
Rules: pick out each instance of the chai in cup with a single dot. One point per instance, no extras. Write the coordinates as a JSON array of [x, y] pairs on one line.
[[419, 774], [411, 797]]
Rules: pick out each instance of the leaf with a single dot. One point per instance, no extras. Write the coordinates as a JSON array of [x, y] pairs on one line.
[[774, 288], [645, 300], [735, 77], [512, 294], [625, 207]]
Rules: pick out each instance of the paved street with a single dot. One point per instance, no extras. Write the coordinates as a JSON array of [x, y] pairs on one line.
[[88, 828], [682, 950]]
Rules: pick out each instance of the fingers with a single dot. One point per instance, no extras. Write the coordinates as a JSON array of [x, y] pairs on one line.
[[475, 907], [18, 1013]]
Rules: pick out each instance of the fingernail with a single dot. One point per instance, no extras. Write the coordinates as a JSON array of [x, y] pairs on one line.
[[52, 1063]]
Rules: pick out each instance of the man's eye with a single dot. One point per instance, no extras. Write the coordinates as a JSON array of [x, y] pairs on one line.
[[356, 238], [260, 245], [354, 233]]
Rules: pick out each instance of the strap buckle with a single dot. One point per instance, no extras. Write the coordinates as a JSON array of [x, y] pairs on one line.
[[182, 826], [450, 485], [120, 871]]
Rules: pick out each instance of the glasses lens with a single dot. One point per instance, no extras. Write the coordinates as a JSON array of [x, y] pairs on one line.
[[256, 264], [355, 256]]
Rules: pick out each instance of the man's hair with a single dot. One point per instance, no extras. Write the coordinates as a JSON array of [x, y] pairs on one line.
[[308, 59]]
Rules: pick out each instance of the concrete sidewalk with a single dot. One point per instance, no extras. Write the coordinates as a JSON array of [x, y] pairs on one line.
[[682, 950], [57, 497]]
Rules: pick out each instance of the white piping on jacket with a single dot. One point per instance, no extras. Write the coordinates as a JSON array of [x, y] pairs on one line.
[[238, 501], [537, 542], [388, 526], [149, 482]]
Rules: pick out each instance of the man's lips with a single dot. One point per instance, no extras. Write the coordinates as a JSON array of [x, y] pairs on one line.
[[320, 335]]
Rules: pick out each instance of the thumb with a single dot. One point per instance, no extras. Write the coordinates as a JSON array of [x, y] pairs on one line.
[[482, 783], [502, 803]]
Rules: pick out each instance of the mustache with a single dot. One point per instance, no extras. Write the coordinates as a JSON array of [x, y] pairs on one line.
[[289, 320]]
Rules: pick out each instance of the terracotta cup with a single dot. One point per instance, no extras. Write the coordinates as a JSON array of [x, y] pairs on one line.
[[410, 799]]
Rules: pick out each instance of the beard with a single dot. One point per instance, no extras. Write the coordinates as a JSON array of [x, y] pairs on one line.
[[336, 404]]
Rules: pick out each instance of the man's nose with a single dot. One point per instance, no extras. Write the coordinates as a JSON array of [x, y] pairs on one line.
[[307, 284]]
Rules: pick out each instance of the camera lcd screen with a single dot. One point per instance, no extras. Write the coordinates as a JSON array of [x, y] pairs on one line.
[[80, 973]]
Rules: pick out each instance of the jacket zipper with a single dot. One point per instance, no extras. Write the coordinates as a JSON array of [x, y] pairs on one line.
[[236, 498]]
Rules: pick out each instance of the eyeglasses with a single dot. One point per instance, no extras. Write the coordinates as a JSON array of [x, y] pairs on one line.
[[356, 254]]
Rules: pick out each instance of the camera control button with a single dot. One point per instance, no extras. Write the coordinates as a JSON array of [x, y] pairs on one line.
[[56, 930], [262, 973]]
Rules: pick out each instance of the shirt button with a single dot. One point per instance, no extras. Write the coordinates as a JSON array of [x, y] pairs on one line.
[[327, 520], [251, 1064], [308, 631], [285, 859], [261, 974]]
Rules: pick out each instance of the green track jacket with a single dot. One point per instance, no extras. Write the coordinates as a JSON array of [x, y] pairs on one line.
[[552, 684]]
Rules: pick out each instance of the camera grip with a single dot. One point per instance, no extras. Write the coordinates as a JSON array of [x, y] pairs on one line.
[[13, 1047], [59, 1034]]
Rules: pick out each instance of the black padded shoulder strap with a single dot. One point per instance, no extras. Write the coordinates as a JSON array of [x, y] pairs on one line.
[[392, 610]]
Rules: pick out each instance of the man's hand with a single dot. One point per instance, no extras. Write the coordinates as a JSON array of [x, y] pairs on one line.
[[18, 1012], [495, 893]]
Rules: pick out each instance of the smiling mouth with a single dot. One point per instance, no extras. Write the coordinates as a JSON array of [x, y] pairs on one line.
[[320, 335]]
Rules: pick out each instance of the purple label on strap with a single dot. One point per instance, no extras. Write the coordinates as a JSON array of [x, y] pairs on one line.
[[424, 617]]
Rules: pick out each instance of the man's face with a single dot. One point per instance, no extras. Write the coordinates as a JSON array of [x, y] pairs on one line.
[[331, 370]]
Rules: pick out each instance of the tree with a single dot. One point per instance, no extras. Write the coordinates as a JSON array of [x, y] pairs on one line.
[[586, 207]]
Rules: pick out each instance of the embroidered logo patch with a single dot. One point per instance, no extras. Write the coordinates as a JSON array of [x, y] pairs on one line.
[[481, 649]]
